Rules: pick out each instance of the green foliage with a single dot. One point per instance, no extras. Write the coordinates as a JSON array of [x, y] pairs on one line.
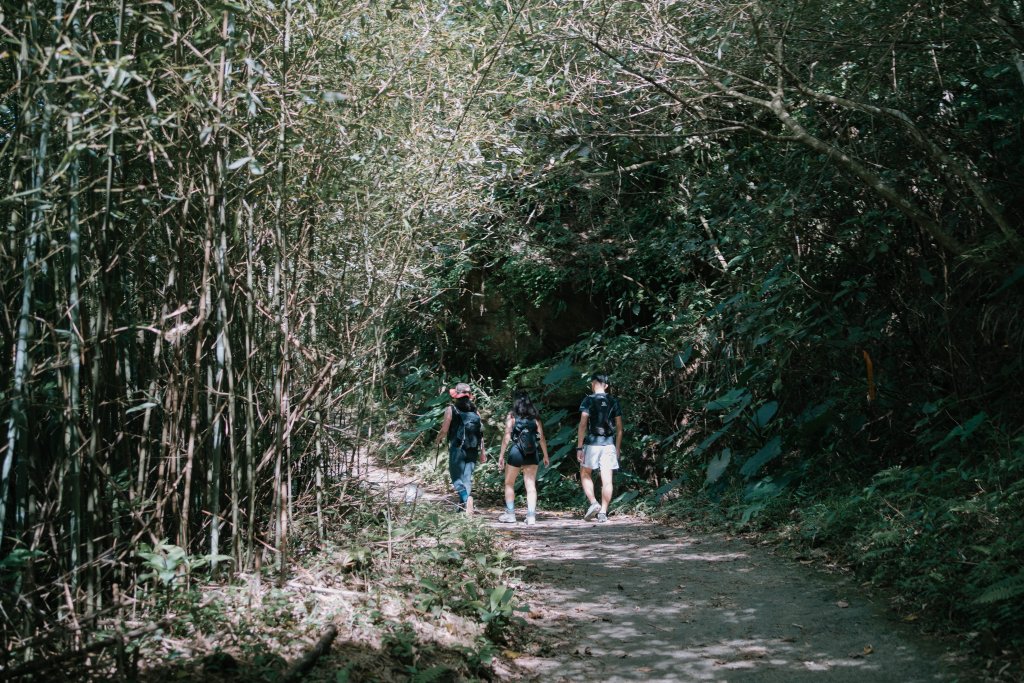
[[496, 609], [1007, 589], [165, 563], [18, 559]]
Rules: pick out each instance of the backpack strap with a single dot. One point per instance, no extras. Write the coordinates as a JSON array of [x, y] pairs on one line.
[[451, 420]]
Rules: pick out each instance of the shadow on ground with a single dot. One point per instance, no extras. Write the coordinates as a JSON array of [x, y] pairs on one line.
[[629, 601], [401, 658]]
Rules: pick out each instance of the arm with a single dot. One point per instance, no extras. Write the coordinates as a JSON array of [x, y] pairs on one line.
[[618, 435], [543, 443], [581, 434], [509, 423], [444, 425]]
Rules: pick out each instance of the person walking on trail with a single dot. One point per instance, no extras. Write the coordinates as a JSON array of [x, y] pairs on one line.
[[464, 430], [525, 433], [598, 444]]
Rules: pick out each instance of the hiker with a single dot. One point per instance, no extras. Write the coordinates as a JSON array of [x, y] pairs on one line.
[[598, 444], [525, 433], [464, 430]]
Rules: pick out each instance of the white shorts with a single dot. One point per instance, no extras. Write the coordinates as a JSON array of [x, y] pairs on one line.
[[600, 457]]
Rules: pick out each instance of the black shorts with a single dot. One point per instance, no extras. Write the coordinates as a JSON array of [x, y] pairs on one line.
[[516, 458]]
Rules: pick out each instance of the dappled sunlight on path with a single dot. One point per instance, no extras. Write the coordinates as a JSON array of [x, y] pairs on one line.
[[632, 601]]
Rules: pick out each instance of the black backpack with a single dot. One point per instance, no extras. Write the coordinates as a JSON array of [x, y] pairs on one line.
[[600, 422], [524, 435], [468, 429]]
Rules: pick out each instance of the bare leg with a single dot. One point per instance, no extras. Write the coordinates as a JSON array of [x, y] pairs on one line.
[[586, 478], [606, 488], [530, 479], [510, 484]]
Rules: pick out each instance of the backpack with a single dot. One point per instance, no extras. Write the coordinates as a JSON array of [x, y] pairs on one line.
[[524, 435], [601, 422], [468, 429]]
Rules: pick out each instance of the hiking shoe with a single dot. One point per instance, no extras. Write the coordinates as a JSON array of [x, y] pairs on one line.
[[531, 520], [602, 517], [507, 517], [591, 511]]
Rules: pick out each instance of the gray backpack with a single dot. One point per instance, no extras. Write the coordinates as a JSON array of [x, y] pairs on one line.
[[468, 429]]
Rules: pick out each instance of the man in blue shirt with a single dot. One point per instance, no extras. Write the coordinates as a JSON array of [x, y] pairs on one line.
[[598, 443]]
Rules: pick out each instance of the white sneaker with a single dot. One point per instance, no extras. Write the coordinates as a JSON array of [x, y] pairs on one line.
[[531, 520], [507, 517], [591, 511], [469, 506]]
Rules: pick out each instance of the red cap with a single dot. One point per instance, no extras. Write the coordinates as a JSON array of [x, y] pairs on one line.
[[459, 394]]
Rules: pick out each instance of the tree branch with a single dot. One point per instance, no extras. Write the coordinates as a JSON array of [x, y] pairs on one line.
[[874, 182]]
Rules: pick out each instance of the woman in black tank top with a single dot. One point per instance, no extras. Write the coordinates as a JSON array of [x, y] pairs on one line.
[[525, 434]]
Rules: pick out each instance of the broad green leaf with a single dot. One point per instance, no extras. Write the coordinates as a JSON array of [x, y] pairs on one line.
[[718, 465], [555, 418], [662, 490], [727, 399], [560, 373], [767, 453], [626, 497], [681, 359], [1011, 280], [963, 431], [739, 408], [703, 446], [765, 413], [563, 436]]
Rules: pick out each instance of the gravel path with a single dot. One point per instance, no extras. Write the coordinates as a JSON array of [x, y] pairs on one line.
[[634, 601]]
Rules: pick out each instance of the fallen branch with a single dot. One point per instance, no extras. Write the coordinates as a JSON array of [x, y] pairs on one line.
[[325, 590], [306, 662]]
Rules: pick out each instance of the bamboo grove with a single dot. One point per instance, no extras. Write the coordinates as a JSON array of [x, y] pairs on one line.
[[194, 274]]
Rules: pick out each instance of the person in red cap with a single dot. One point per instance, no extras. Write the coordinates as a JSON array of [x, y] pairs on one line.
[[464, 430]]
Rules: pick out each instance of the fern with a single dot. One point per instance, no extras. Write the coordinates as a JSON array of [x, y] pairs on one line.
[[431, 675], [1006, 589]]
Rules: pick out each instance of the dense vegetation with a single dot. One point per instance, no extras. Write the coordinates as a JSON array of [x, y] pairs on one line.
[[237, 233], [792, 234]]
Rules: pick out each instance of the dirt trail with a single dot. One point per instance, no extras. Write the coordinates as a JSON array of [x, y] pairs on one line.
[[634, 601], [639, 601]]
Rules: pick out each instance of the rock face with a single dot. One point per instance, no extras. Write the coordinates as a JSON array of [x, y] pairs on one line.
[[498, 332]]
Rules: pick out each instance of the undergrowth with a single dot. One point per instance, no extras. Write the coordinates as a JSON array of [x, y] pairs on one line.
[[418, 593]]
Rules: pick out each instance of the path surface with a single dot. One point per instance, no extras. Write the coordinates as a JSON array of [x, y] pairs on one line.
[[633, 601], [639, 601]]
